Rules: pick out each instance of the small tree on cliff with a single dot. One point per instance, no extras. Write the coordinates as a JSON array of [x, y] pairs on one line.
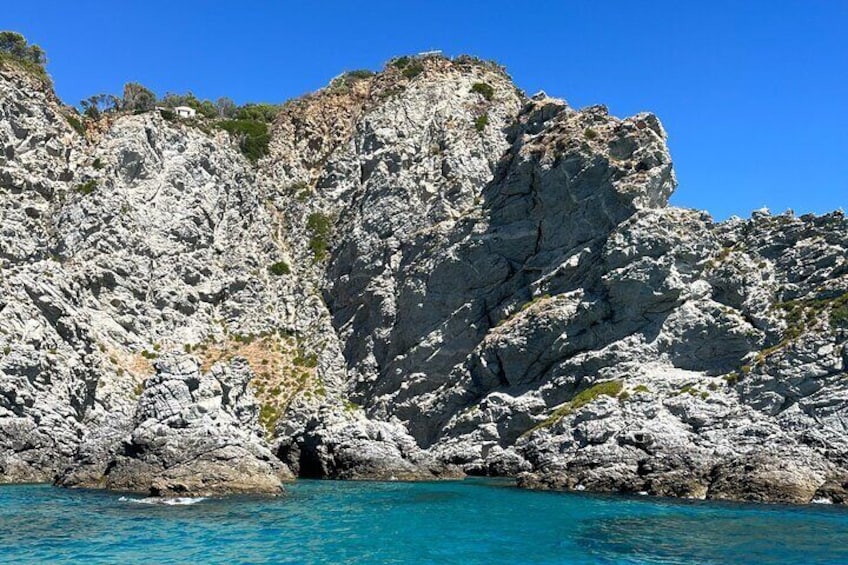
[[94, 106], [137, 98], [15, 44]]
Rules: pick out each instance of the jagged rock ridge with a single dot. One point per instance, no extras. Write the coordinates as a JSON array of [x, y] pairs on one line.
[[505, 291]]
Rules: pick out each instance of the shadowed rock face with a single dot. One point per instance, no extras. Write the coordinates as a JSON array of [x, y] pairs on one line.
[[504, 291]]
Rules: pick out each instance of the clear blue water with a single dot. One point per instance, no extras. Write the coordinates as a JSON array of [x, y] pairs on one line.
[[466, 522]]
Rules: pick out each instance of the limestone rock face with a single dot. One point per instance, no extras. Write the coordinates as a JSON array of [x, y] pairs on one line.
[[341, 446], [192, 434], [478, 281]]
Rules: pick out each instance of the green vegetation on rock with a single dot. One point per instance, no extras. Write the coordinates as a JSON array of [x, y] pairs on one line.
[[16, 51], [484, 90], [413, 69], [74, 122], [581, 399], [279, 268], [319, 226], [87, 187], [252, 135]]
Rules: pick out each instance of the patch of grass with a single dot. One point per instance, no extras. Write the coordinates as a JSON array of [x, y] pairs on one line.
[[481, 122], [607, 388], [641, 388], [252, 135], [536, 300], [484, 90], [87, 187], [279, 269], [688, 389], [319, 226]]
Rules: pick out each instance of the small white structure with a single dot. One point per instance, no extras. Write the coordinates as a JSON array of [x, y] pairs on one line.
[[185, 112]]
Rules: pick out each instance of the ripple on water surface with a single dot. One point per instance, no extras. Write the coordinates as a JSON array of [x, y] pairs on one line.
[[450, 522]]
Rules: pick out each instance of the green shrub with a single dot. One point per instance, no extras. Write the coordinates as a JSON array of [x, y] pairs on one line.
[[87, 187], [279, 269], [839, 313], [258, 112], [308, 360], [168, 115], [589, 133], [97, 164], [483, 90], [481, 122], [319, 225], [641, 388], [75, 123], [400, 62], [413, 69], [351, 406], [359, 74], [343, 83], [252, 136]]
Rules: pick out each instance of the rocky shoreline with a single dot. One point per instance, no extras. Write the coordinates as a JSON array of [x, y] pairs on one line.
[[429, 275]]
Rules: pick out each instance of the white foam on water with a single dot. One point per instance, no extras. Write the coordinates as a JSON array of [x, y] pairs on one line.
[[178, 501], [821, 501]]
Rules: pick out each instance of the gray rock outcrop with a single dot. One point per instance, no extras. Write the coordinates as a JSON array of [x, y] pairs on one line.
[[477, 281], [193, 434]]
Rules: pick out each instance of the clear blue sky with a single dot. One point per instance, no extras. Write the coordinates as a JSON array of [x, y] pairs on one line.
[[754, 94]]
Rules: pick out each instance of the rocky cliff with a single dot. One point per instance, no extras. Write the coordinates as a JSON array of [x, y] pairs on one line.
[[430, 274]]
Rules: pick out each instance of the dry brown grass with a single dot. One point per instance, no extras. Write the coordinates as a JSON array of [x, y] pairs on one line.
[[282, 370]]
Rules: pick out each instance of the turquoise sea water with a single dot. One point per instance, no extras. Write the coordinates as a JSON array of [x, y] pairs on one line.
[[467, 522]]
